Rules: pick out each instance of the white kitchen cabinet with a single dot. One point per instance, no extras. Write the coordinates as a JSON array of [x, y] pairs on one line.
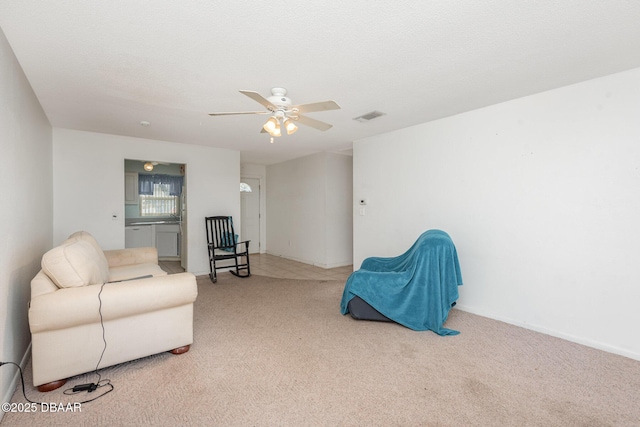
[[130, 188], [139, 236], [168, 240]]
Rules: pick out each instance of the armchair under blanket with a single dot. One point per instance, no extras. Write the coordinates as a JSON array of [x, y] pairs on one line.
[[223, 245], [416, 289]]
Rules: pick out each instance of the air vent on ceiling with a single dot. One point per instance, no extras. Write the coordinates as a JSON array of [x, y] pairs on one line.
[[369, 116]]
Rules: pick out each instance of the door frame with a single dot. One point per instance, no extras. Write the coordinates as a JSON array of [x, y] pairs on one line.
[[263, 209]]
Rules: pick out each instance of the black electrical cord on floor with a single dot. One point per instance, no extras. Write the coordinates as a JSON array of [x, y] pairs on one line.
[[24, 393], [83, 387], [97, 386]]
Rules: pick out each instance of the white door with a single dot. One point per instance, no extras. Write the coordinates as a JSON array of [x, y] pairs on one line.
[[250, 213]]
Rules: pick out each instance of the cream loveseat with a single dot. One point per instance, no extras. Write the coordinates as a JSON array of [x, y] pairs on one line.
[[144, 311]]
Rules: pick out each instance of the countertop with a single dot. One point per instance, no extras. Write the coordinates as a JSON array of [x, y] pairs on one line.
[[150, 221]]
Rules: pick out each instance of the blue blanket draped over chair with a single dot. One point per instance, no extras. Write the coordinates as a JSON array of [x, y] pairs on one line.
[[415, 289]]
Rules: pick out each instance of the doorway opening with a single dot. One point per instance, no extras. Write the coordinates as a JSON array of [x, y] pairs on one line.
[[250, 212], [155, 207]]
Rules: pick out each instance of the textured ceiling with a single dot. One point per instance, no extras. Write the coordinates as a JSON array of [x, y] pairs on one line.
[[104, 66]]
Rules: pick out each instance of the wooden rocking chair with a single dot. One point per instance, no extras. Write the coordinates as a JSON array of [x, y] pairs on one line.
[[223, 245]]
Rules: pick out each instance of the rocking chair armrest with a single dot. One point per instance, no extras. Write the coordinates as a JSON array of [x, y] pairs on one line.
[[235, 247]]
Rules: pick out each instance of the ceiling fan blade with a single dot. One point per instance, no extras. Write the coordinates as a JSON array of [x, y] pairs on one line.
[[259, 98], [240, 112], [317, 124], [317, 106]]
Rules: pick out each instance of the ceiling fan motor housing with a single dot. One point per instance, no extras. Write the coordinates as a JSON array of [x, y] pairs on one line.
[[278, 97]]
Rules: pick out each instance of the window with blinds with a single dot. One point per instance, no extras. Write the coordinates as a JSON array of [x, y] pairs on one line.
[[160, 203]]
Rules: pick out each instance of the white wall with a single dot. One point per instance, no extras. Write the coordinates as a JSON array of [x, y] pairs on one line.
[[89, 186], [309, 210], [338, 210], [541, 197], [25, 218]]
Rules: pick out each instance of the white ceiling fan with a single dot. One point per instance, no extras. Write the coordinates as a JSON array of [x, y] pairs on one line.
[[284, 113]]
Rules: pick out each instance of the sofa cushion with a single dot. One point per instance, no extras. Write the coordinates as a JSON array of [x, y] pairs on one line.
[[74, 263], [131, 256], [128, 272]]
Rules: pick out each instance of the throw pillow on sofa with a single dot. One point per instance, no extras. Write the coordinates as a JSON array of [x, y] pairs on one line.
[[87, 237], [74, 263]]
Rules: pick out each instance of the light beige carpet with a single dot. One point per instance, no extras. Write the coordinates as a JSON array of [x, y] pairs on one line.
[[275, 352]]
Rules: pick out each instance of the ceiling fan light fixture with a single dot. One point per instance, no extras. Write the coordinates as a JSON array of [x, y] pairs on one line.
[[148, 166], [271, 125], [276, 131], [290, 126]]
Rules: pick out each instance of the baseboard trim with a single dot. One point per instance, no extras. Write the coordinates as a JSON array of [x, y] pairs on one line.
[[305, 261], [578, 340], [8, 394]]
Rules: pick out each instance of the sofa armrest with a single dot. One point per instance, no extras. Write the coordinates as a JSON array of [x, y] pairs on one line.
[[131, 256], [79, 306]]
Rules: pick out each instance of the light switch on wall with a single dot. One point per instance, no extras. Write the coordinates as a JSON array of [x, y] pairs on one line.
[[362, 212]]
